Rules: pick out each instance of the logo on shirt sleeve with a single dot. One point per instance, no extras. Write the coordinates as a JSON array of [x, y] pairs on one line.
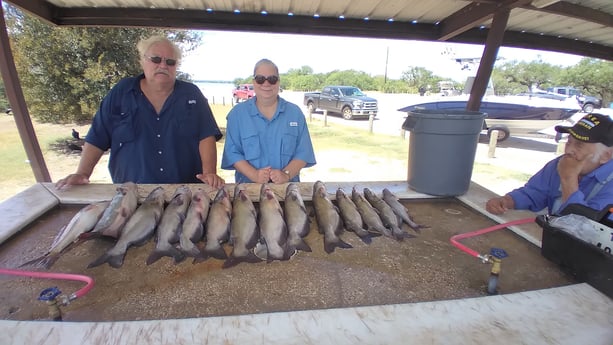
[[293, 124]]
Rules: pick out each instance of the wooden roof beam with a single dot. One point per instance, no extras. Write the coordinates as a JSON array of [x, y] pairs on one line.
[[473, 15]]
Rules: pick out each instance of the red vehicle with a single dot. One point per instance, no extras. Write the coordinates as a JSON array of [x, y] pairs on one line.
[[243, 92]]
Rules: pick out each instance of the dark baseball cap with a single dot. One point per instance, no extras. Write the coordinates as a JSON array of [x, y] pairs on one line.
[[592, 128]]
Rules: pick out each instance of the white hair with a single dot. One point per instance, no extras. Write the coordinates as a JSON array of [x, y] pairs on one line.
[[143, 45]]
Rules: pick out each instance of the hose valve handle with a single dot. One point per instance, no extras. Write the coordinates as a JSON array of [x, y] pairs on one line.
[[49, 294]]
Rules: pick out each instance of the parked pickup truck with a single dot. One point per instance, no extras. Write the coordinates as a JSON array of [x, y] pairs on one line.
[[587, 103], [243, 92], [346, 100]]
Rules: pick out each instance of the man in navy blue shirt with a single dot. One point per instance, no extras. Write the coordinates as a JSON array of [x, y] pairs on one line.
[[581, 176], [158, 129]]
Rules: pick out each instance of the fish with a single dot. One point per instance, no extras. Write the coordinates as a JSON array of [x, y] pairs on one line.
[[167, 233], [137, 231], [296, 219], [121, 208], [351, 217], [369, 214], [192, 230], [271, 223], [217, 227], [388, 217], [328, 220], [82, 222], [401, 211], [244, 233]]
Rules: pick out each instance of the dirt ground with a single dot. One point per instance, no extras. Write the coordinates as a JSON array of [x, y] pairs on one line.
[[425, 268]]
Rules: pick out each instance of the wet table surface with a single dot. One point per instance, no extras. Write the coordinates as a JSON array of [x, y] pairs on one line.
[[363, 292]]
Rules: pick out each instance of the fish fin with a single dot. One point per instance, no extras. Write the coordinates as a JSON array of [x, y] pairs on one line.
[[366, 238], [86, 236], [329, 245]]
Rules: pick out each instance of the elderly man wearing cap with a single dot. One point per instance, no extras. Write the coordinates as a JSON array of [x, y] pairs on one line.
[[582, 175]]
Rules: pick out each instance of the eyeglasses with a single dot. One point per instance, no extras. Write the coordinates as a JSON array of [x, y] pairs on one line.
[[260, 79], [158, 60]]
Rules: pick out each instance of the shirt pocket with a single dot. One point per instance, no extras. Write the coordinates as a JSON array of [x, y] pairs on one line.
[[123, 131], [251, 146], [288, 144], [188, 124]]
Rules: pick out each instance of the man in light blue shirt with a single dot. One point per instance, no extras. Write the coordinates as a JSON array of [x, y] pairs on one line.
[[581, 176], [267, 139]]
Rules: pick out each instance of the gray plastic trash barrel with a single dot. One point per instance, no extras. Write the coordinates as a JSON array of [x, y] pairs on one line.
[[442, 147]]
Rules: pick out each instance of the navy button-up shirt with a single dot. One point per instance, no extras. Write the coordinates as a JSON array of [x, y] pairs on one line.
[[147, 147]]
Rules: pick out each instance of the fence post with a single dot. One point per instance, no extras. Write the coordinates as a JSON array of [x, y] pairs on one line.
[[325, 118], [371, 122], [493, 141]]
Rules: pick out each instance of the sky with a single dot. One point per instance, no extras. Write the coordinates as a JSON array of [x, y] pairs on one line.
[[225, 55]]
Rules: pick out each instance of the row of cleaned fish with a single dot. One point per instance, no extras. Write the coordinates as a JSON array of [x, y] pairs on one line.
[[271, 233]]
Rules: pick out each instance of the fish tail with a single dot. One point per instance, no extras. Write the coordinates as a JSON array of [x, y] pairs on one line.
[[417, 227], [400, 234], [301, 245], [233, 261], [44, 261], [217, 253], [365, 235], [202, 257], [381, 231], [336, 242], [172, 252], [115, 261], [366, 238]]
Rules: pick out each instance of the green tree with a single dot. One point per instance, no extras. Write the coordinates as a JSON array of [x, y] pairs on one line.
[[592, 76], [66, 75], [416, 77], [350, 77], [4, 103], [523, 76]]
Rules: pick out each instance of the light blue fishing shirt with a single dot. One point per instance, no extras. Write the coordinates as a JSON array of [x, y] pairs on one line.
[[252, 137], [543, 190]]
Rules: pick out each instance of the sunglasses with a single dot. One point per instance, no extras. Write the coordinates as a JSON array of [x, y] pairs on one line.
[[260, 79], [158, 60]]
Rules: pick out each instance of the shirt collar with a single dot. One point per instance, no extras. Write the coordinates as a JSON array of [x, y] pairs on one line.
[[602, 172], [136, 84], [253, 109]]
